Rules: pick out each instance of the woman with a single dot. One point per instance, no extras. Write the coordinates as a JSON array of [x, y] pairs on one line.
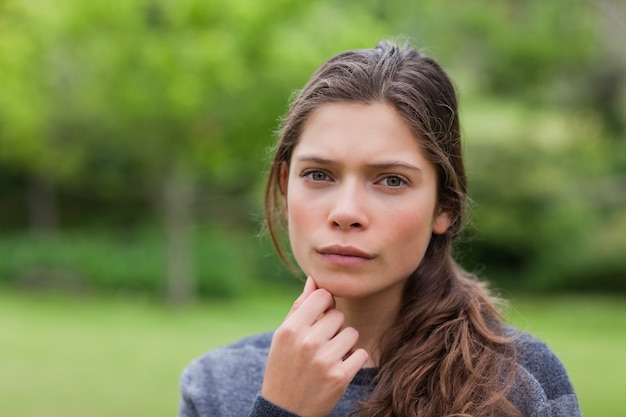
[[368, 179]]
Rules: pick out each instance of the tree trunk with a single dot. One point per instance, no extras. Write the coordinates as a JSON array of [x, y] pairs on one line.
[[611, 83], [43, 206], [178, 199]]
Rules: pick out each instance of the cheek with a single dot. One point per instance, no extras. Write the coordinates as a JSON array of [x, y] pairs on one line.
[[416, 232], [299, 217], [411, 235]]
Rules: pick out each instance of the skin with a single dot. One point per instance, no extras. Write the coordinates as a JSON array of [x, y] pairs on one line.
[[361, 204]]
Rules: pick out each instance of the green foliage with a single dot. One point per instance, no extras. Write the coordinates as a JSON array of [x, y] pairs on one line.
[[130, 262], [553, 216], [154, 83], [509, 47], [103, 100]]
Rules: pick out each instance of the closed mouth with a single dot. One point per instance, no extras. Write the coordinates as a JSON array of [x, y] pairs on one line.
[[345, 251]]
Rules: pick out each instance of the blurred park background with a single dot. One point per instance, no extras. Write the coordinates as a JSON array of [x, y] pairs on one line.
[[134, 138]]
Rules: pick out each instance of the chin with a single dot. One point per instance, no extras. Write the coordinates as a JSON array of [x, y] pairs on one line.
[[343, 285]]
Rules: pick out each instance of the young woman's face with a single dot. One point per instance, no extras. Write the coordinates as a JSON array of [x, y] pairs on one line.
[[360, 200]]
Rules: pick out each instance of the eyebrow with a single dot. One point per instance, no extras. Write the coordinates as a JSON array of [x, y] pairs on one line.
[[379, 165]]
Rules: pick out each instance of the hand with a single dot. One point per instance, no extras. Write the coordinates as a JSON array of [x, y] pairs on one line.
[[311, 359]]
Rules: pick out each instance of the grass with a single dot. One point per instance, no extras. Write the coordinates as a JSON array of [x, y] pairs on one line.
[[71, 357], [589, 336], [121, 356]]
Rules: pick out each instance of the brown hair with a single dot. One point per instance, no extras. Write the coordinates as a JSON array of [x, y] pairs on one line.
[[447, 353]]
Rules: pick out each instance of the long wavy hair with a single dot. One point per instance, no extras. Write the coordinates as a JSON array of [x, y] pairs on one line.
[[448, 352]]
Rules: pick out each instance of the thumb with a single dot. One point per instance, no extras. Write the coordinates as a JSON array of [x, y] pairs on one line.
[[309, 286]]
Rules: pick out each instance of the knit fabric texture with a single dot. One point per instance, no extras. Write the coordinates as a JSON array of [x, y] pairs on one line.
[[226, 382]]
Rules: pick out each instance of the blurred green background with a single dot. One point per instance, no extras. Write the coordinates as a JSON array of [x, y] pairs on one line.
[[134, 138]]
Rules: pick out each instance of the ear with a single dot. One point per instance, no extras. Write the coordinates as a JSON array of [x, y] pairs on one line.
[[441, 222]]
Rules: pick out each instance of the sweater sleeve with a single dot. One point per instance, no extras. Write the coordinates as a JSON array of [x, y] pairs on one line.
[[186, 407], [544, 389], [264, 408]]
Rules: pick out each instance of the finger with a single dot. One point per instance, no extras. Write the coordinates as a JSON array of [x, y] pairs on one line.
[[355, 361], [311, 309], [327, 326], [309, 286], [342, 344]]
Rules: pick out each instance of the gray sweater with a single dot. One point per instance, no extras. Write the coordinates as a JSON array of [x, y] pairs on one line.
[[226, 382]]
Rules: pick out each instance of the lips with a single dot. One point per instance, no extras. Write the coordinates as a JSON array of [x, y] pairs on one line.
[[348, 251]]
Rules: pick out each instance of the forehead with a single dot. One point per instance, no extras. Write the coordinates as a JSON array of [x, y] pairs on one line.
[[359, 131]]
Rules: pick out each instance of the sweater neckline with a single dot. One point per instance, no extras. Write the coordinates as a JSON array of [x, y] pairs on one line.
[[365, 376]]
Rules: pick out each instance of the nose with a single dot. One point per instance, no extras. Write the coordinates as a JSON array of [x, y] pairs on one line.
[[348, 211]]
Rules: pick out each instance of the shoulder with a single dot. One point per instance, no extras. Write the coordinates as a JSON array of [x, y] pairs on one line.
[[542, 363], [224, 381], [543, 387], [231, 359]]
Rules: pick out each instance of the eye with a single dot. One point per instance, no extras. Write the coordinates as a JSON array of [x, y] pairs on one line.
[[393, 181], [316, 176]]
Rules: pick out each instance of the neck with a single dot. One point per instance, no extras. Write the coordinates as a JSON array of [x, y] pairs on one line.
[[371, 317]]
